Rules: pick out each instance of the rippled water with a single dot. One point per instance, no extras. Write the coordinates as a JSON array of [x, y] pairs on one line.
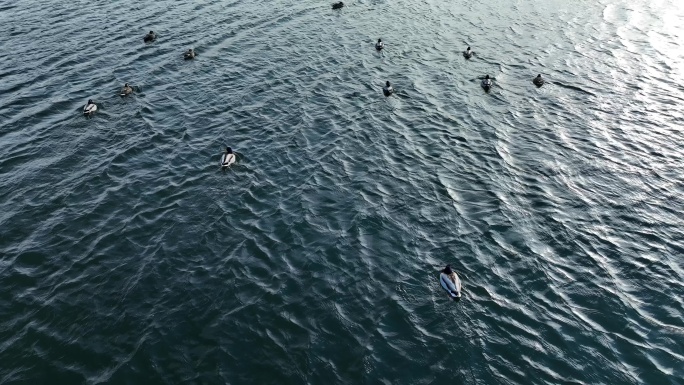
[[128, 257]]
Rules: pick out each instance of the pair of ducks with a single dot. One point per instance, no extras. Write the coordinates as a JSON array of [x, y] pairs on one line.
[[487, 82], [387, 90], [150, 37], [91, 107]]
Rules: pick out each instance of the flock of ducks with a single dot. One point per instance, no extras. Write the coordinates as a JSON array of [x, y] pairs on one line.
[[449, 280], [228, 157], [486, 84], [91, 107]]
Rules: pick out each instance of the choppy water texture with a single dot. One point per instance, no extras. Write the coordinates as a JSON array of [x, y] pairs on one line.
[[129, 257]]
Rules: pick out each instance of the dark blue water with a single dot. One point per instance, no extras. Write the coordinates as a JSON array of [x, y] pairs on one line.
[[128, 257]]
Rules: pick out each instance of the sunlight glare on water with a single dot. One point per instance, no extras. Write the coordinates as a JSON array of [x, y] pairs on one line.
[[667, 37]]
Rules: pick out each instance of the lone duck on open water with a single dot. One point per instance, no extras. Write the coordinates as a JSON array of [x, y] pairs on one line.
[[487, 83], [126, 90], [387, 90], [150, 37], [89, 108]]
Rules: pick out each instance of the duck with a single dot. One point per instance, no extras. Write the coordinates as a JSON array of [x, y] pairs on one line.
[[126, 90], [338, 5], [189, 54], [90, 107], [150, 37], [487, 83], [379, 45], [387, 89], [450, 282], [538, 81], [468, 53], [227, 158]]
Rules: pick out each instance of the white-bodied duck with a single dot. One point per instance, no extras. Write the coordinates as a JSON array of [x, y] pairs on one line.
[[90, 107], [450, 282], [228, 158]]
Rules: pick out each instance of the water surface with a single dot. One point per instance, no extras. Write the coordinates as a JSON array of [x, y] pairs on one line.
[[128, 257]]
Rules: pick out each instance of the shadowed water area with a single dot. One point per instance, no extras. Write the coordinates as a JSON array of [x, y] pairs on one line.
[[127, 256]]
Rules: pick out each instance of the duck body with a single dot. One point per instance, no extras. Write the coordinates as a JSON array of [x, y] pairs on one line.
[[189, 54], [487, 84], [379, 46], [126, 90], [150, 37], [227, 159], [338, 5], [451, 284], [89, 108], [538, 81], [387, 90]]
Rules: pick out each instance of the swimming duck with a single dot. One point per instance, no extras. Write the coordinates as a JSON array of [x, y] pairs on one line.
[[126, 90], [338, 5], [538, 81], [90, 107], [379, 45], [189, 54], [387, 89], [468, 53], [487, 83], [150, 37], [227, 158], [450, 282]]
